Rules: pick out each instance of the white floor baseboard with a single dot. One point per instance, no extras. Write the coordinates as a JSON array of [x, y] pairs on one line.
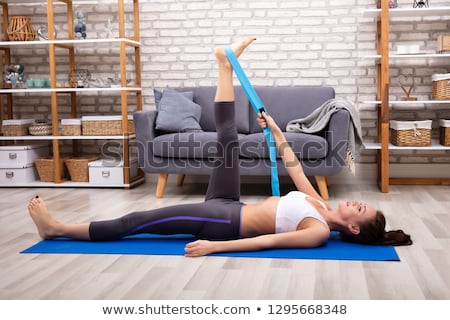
[[367, 173]]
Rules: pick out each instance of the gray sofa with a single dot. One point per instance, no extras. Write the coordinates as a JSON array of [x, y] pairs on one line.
[[192, 153]]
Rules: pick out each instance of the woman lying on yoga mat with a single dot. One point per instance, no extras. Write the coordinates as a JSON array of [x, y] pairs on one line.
[[300, 219]]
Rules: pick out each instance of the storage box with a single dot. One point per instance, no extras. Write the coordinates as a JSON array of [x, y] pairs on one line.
[[411, 133], [17, 127], [444, 136], [441, 86], [78, 168], [11, 176], [20, 155], [109, 172], [105, 125], [71, 127], [46, 169], [444, 42]]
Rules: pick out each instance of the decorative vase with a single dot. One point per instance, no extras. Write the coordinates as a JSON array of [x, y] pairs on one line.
[[420, 4], [392, 4], [20, 29], [80, 26]]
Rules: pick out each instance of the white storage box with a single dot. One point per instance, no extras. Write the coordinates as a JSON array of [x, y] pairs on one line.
[[19, 156], [12, 176], [109, 172]]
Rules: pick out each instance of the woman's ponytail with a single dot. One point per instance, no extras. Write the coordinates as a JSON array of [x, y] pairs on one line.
[[396, 238], [373, 232]]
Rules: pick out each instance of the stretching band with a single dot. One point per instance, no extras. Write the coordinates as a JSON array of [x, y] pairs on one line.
[[258, 107]]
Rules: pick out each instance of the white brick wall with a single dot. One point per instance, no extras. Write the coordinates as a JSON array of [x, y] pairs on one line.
[[299, 43]]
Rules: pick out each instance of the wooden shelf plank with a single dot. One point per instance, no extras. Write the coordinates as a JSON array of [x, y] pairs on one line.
[[68, 90], [435, 146], [397, 102], [48, 138], [394, 56], [85, 42], [410, 12]]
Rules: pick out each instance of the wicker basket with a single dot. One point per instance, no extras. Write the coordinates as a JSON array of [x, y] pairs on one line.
[[71, 127], [46, 168], [411, 133], [444, 43], [20, 29], [40, 129], [105, 125], [79, 168], [441, 86], [16, 127], [444, 136]]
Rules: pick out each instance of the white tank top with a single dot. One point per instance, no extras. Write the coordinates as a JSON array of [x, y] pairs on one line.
[[292, 209]]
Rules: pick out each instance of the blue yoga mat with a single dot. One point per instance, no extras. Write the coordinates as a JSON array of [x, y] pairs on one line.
[[334, 249]]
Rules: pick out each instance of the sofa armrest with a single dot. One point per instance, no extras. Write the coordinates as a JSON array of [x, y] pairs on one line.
[[337, 138], [144, 124]]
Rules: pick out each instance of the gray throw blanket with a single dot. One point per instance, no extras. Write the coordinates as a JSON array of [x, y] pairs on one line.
[[319, 118]]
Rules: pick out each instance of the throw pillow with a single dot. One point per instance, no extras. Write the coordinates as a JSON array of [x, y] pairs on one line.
[[177, 113], [158, 95]]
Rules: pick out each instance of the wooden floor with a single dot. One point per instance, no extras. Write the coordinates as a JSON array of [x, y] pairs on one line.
[[423, 273]]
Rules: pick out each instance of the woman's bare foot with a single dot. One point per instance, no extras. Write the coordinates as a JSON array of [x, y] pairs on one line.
[[47, 225], [237, 47]]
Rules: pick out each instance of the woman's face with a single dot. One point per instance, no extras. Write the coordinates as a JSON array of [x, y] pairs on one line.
[[356, 212]]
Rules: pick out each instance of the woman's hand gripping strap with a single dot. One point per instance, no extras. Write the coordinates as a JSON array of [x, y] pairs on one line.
[[258, 107]]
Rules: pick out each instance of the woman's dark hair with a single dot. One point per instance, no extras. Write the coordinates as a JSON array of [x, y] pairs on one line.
[[373, 232]]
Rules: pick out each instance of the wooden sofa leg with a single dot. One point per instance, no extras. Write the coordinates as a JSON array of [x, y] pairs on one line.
[[323, 188], [181, 179], [162, 181]]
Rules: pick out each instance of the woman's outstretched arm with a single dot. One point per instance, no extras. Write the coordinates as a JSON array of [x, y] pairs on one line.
[[290, 160], [305, 238]]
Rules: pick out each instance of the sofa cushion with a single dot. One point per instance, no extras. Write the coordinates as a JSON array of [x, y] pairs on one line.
[[158, 95], [305, 146], [177, 113], [202, 145], [195, 145]]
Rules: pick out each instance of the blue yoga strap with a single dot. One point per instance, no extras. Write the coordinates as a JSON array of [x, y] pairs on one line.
[[258, 107]]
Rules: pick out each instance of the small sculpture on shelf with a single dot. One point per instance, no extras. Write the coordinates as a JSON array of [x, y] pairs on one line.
[[420, 4], [405, 81], [80, 26], [80, 78], [109, 29], [14, 75], [43, 34]]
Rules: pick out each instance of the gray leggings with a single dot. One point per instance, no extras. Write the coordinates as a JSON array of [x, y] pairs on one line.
[[217, 218]]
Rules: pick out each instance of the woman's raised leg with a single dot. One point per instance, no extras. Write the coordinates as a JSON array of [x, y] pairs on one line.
[[224, 182]]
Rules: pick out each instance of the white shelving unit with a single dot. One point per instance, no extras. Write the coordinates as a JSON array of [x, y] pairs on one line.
[[122, 43], [384, 59]]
